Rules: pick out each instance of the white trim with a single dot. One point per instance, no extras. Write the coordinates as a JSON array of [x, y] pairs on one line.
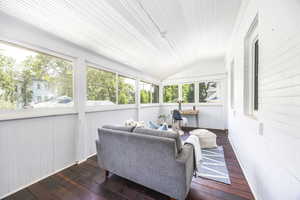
[[150, 105], [36, 113], [193, 104], [105, 108], [38, 49], [250, 38]]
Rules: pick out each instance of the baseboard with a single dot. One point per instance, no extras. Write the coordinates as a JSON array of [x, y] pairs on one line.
[[256, 196], [35, 181]]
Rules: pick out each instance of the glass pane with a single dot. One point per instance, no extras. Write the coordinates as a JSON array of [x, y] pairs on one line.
[[256, 63], [101, 87], [155, 94], [208, 92], [30, 79], [126, 90], [170, 93], [188, 93], [145, 92]]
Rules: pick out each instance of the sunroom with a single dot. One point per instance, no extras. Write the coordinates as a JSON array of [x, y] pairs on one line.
[[153, 100]]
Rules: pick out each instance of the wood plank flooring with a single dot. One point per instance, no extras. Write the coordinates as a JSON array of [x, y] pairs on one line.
[[86, 182]]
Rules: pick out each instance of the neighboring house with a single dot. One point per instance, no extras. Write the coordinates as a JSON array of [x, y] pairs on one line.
[[40, 91]]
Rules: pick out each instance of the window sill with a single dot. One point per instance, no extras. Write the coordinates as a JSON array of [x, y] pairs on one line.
[[194, 104], [36, 113], [103, 108], [150, 105]]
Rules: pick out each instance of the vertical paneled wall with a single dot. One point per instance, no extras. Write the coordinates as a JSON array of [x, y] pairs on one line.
[[34, 148]]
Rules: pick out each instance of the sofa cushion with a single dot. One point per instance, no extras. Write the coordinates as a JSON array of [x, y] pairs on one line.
[[119, 128], [168, 134]]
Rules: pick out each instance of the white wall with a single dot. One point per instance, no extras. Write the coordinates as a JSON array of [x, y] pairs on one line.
[[33, 148], [271, 161]]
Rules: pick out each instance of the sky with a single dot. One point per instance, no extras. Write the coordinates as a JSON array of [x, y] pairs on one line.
[[19, 54]]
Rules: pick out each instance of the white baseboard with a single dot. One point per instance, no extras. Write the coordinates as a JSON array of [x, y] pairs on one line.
[[252, 188]]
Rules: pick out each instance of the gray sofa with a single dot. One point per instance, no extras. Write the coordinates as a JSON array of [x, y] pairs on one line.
[[155, 159]]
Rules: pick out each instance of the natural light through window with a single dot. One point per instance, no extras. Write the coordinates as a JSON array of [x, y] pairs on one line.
[[101, 87], [126, 90], [149, 93], [31, 79]]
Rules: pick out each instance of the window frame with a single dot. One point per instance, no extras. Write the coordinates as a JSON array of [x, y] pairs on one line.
[[102, 108], [251, 38], [151, 95], [188, 83], [7, 115], [196, 92], [163, 92], [232, 84], [116, 87], [135, 89]]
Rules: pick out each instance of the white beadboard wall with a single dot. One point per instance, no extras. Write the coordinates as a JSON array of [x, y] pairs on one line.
[[31, 149], [271, 161]]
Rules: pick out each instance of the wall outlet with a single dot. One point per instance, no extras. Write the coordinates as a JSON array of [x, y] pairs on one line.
[[260, 128]]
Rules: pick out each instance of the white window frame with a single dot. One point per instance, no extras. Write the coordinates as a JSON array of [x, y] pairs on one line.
[[151, 99], [251, 38], [196, 92], [6, 115], [181, 94], [117, 106], [103, 69], [232, 84], [179, 91]]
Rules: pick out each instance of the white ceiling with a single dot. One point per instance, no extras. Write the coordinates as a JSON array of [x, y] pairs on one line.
[[158, 37]]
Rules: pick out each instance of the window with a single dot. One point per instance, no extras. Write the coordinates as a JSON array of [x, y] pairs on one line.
[[149, 93], [208, 92], [232, 77], [256, 62], [251, 71], [21, 70], [171, 93], [188, 93], [155, 94], [126, 90], [101, 87], [145, 92]]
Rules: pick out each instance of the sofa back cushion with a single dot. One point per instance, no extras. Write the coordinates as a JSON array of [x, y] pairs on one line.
[[167, 134], [119, 128]]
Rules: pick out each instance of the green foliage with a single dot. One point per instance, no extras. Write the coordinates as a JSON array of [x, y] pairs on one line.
[[126, 90], [188, 93], [170, 93], [155, 94], [145, 96], [7, 84], [101, 85], [204, 90], [16, 79]]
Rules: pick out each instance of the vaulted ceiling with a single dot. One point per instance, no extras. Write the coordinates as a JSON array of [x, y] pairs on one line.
[[158, 37]]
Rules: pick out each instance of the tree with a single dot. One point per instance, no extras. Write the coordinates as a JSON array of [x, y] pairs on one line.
[[170, 93], [101, 85], [7, 84], [188, 93]]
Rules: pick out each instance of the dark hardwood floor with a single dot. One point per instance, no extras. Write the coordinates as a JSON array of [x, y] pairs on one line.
[[86, 182]]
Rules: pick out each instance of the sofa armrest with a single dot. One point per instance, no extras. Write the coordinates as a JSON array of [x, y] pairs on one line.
[[186, 160], [185, 154]]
